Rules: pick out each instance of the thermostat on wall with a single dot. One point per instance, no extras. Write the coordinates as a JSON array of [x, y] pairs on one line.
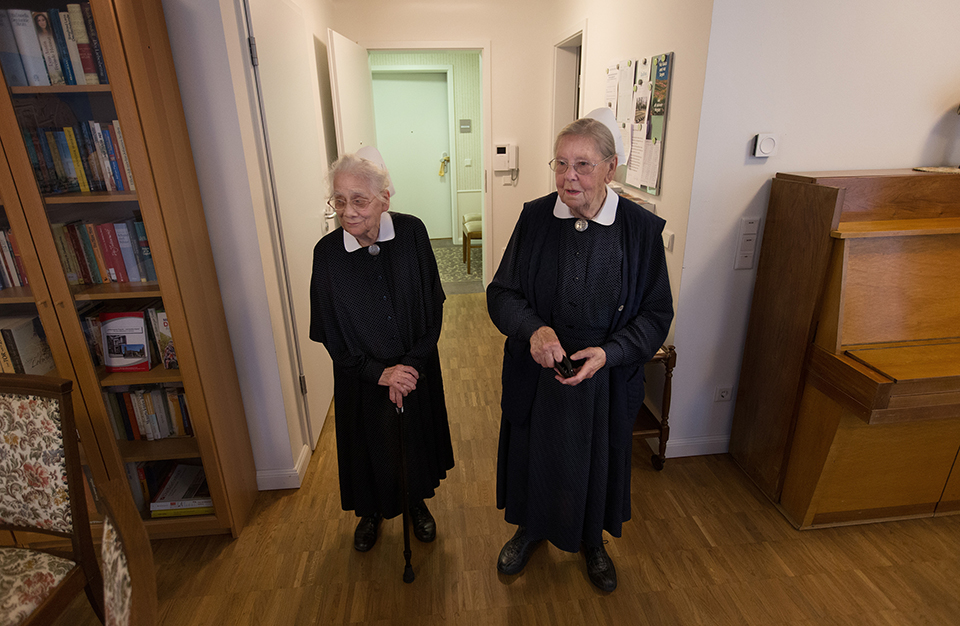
[[765, 145]]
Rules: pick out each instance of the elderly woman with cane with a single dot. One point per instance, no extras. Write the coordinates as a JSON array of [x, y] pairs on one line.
[[377, 306], [583, 297]]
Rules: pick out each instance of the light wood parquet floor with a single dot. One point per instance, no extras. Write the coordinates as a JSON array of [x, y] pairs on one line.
[[704, 546]]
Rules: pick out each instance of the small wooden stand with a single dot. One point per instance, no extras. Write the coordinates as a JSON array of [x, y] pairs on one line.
[[647, 424]]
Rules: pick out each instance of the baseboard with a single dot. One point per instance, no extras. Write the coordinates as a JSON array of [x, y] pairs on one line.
[[693, 446], [292, 478]]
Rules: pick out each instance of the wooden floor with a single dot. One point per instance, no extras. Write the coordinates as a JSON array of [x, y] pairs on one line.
[[704, 546]]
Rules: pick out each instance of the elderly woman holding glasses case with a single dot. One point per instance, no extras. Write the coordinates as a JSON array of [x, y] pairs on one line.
[[377, 305], [583, 297]]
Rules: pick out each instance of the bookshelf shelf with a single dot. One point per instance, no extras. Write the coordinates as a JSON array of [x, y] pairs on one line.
[[169, 231], [170, 448], [155, 376], [90, 197], [115, 291], [60, 89], [16, 295]]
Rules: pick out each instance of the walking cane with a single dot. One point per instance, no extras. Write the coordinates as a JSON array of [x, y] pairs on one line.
[[408, 574]]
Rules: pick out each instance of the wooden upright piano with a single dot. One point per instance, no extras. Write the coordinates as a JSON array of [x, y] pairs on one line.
[[848, 408]]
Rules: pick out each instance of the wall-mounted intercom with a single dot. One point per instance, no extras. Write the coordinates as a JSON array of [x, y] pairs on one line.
[[504, 157]]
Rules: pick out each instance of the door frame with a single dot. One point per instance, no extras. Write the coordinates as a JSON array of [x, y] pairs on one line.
[[447, 71], [486, 147], [569, 53]]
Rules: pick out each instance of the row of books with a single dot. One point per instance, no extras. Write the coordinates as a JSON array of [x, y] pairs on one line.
[[150, 413], [12, 272], [169, 489], [92, 254], [53, 47], [127, 339], [88, 156], [23, 346]]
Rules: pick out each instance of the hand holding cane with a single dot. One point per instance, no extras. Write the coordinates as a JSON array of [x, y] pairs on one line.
[[408, 574]]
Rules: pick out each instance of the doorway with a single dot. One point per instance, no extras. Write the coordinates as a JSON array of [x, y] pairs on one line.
[[413, 111]]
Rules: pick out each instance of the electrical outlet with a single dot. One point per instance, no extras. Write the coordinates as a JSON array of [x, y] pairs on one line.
[[722, 394]]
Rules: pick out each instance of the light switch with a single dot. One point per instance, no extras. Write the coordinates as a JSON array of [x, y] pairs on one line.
[[747, 240], [668, 240]]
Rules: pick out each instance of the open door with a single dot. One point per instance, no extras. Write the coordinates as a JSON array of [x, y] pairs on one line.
[[351, 86]]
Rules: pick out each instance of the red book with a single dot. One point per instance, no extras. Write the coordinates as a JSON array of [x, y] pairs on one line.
[[71, 232], [110, 249], [16, 257], [131, 415]]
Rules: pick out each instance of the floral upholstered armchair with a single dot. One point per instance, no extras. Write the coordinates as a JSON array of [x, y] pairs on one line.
[[41, 491]]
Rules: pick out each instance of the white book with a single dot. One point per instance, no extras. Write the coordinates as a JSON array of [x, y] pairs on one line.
[[25, 33], [48, 47], [103, 156], [10, 54]]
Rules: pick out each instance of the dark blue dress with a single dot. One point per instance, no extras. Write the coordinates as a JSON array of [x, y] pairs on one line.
[[563, 468]]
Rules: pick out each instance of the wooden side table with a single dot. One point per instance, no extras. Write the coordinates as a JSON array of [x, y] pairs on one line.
[[647, 425]]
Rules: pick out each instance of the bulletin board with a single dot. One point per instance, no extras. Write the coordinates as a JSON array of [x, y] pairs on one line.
[[637, 90]]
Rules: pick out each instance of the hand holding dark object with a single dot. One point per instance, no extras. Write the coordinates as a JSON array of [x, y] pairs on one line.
[[565, 367], [401, 379], [585, 364]]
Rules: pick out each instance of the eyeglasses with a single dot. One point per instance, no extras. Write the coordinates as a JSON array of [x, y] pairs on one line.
[[580, 167], [339, 203]]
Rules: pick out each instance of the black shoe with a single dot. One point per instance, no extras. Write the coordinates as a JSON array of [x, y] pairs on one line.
[[516, 552], [600, 568], [424, 526], [366, 534]]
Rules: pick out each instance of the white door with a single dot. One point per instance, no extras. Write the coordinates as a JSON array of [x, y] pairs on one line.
[[352, 91], [288, 103], [413, 133]]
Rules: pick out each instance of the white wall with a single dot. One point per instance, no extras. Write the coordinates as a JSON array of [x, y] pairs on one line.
[[213, 71], [847, 85]]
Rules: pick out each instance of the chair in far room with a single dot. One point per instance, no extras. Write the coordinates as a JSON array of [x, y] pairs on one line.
[[42, 493], [129, 577], [472, 229]]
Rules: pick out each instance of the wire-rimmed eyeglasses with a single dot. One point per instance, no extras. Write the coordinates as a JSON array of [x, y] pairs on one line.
[[339, 203], [580, 167]]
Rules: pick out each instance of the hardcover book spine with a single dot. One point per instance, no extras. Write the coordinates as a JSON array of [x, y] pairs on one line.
[[73, 50], [9, 54], [94, 42], [83, 44], [77, 160], [128, 181], [63, 55]]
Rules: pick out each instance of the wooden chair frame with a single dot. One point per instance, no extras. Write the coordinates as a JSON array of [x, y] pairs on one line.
[[119, 508], [86, 573]]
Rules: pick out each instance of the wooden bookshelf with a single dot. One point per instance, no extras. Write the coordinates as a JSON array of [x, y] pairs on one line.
[[144, 96]]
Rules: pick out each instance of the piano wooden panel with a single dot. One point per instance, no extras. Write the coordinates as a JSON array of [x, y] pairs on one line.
[[872, 429]]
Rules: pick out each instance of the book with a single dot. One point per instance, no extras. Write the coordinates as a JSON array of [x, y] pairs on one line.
[[168, 355], [102, 156], [145, 251], [66, 160], [17, 259], [6, 364], [112, 256], [73, 50], [10, 54], [125, 347], [31, 55], [200, 510], [43, 150], [137, 254], [185, 488], [94, 42], [126, 250], [76, 159], [153, 421], [173, 405], [113, 412], [27, 344], [97, 252], [36, 161], [132, 416], [6, 257], [63, 54], [111, 153], [95, 275], [159, 401], [133, 478], [48, 47], [84, 49], [143, 418], [128, 173], [73, 238], [91, 161]]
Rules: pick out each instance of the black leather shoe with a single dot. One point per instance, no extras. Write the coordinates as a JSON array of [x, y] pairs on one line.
[[516, 552], [424, 526], [366, 534], [600, 568]]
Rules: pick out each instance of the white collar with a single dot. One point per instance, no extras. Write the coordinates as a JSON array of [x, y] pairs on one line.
[[604, 217], [350, 243]]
